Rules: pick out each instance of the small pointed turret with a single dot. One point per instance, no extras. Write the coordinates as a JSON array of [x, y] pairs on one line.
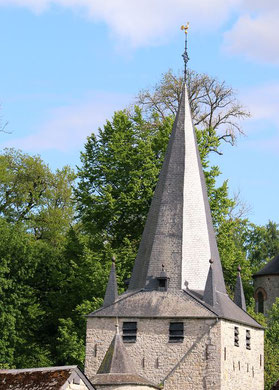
[[116, 360], [210, 286], [111, 291], [239, 297], [117, 369]]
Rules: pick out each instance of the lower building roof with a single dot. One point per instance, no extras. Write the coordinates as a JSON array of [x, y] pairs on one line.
[[121, 379], [271, 268], [46, 378]]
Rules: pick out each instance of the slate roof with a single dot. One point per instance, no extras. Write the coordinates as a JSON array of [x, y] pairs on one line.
[[47, 378], [144, 303], [271, 268], [209, 295], [179, 232], [116, 360], [121, 379], [239, 297], [117, 367], [111, 292], [174, 304]]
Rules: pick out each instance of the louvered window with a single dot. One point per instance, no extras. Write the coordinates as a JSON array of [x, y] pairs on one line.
[[236, 336], [248, 339], [129, 332], [176, 332]]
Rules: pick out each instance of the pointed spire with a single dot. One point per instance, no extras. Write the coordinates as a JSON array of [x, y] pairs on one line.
[[209, 295], [179, 232], [239, 297], [117, 368], [116, 360], [111, 292]]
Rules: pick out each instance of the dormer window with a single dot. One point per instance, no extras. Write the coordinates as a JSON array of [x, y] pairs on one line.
[[162, 284], [163, 280]]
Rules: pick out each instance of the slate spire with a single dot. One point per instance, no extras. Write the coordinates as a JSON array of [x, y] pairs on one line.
[[209, 295], [111, 292], [179, 232], [116, 360], [117, 368], [239, 297]]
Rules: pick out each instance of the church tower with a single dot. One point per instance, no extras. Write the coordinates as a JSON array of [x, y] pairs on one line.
[[178, 323], [266, 286]]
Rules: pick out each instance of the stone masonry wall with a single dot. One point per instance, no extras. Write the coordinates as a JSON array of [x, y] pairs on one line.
[[194, 364], [241, 368], [270, 284]]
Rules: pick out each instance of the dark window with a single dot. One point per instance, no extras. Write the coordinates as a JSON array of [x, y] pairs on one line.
[[176, 334], [248, 339], [162, 284], [260, 302], [129, 330], [236, 336]]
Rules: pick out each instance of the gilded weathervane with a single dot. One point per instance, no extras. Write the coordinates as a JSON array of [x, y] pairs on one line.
[[185, 54]]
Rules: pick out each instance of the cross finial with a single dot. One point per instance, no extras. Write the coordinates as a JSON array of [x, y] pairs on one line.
[[185, 54]]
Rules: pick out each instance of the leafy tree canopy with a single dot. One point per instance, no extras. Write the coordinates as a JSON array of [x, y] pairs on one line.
[[30, 193]]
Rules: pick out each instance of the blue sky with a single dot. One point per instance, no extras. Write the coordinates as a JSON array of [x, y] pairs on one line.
[[67, 65]]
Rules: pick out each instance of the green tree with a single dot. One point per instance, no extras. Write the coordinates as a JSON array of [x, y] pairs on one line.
[[32, 194], [262, 244], [271, 346], [20, 310]]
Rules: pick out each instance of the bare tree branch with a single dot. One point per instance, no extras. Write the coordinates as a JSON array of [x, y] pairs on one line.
[[213, 103]]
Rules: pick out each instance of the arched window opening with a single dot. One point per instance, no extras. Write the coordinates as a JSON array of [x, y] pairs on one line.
[[260, 302]]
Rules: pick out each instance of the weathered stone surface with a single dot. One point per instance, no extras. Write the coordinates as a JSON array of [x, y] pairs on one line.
[[270, 286], [241, 368], [197, 363]]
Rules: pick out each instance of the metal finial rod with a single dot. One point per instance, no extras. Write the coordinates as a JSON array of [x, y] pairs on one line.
[[117, 325], [185, 54]]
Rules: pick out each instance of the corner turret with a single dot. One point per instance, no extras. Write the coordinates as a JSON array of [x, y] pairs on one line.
[[112, 291]]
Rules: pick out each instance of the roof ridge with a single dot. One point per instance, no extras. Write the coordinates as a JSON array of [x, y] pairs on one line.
[[119, 299]]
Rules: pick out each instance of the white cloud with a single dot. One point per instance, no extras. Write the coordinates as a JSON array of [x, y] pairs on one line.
[[144, 22], [67, 127], [255, 33], [148, 22], [255, 37], [263, 102]]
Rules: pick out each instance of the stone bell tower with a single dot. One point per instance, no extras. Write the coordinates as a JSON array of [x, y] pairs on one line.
[[178, 323]]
